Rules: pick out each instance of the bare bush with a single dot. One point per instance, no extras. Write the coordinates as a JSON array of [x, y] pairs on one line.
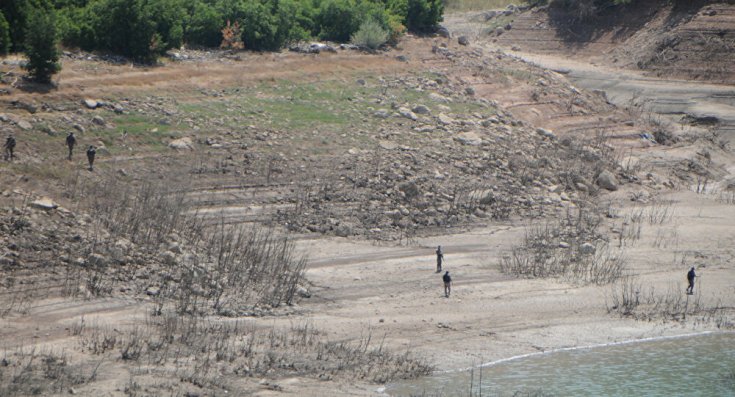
[[630, 298], [227, 270], [32, 372], [206, 351], [565, 249]]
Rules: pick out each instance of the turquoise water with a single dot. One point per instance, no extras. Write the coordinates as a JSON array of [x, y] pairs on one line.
[[702, 365]]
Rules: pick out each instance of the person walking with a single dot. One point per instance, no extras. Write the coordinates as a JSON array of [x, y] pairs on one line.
[[91, 152], [9, 148], [439, 259], [447, 284], [71, 140], [690, 277]]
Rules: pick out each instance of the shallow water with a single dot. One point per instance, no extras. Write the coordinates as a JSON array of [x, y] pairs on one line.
[[702, 365]]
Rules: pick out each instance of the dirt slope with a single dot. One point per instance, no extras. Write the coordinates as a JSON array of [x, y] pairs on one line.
[[694, 41]]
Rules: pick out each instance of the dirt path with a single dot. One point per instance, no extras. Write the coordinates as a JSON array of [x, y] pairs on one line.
[[671, 98]]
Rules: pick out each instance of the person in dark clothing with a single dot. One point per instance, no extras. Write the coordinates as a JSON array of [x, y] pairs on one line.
[[447, 284], [10, 148], [91, 152], [690, 277], [71, 140], [439, 259]]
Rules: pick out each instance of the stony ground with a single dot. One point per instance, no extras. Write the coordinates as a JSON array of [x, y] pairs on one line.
[[369, 162]]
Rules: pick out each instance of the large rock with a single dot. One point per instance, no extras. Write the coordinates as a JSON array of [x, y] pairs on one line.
[[463, 40], [90, 103], [182, 144], [24, 125], [443, 32], [44, 203], [444, 119], [421, 109], [383, 114], [587, 249], [407, 114], [545, 133], [607, 180], [438, 98]]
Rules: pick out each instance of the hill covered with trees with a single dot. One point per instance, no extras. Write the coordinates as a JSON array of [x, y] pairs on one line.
[[144, 29]]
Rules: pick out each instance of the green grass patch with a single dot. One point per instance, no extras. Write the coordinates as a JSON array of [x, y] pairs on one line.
[[141, 130]]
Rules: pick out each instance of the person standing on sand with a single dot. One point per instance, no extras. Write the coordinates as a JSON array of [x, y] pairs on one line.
[[71, 140], [447, 284], [690, 277], [9, 148], [91, 152], [439, 259]]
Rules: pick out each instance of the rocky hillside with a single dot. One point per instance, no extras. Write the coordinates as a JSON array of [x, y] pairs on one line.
[[693, 41]]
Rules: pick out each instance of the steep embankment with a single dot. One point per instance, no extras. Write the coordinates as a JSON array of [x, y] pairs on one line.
[[692, 41]]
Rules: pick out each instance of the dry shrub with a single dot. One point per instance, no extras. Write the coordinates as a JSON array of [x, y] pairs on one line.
[[154, 230], [32, 372], [563, 250], [232, 36], [630, 298], [207, 351]]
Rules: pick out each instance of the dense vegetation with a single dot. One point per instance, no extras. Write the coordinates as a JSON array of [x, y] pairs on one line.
[[143, 29]]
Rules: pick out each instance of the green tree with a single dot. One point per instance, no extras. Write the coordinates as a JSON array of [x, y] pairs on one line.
[[4, 35], [76, 28], [423, 15], [204, 25], [169, 17], [259, 27], [40, 45], [125, 27], [337, 20]]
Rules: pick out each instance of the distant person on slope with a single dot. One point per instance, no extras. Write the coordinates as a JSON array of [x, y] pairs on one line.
[[447, 284], [9, 148], [71, 140], [690, 277], [439, 259], [91, 152]]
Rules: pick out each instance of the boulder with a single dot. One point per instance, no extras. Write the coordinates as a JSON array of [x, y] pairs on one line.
[[444, 119], [607, 180], [409, 189], [469, 91], [182, 144], [421, 109], [90, 103], [438, 98], [24, 125], [587, 248], [302, 291], [407, 114], [463, 40], [44, 203], [443, 32], [383, 114], [152, 291], [96, 259], [167, 257], [98, 120], [545, 133]]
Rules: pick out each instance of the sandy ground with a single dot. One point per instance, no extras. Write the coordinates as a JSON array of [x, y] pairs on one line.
[[490, 316], [394, 292]]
